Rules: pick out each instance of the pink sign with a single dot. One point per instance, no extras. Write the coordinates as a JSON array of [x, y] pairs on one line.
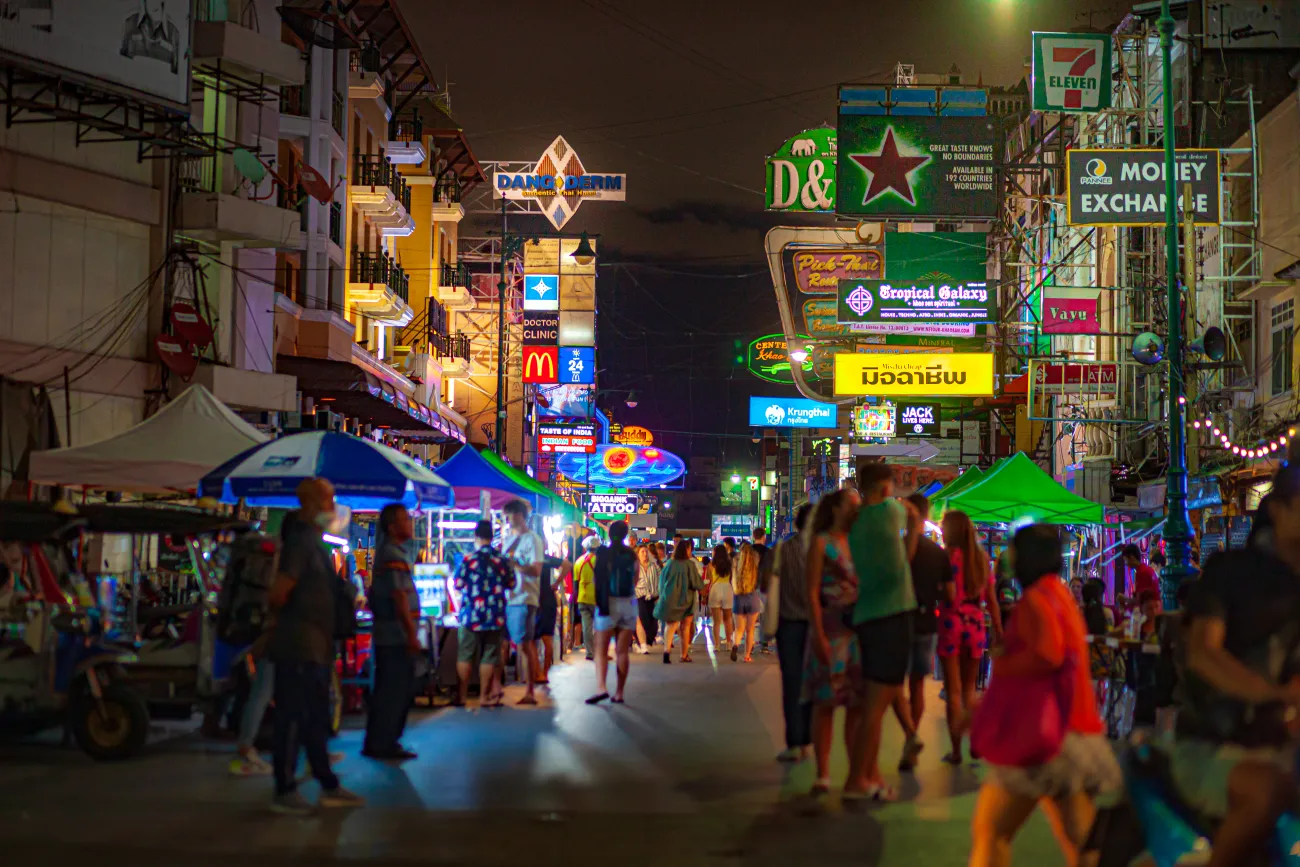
[[1070, 311]]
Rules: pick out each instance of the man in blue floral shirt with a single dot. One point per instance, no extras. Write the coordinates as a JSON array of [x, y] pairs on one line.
[[482, 581]]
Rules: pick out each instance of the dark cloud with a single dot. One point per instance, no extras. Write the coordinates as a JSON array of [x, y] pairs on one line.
[[737, 218]]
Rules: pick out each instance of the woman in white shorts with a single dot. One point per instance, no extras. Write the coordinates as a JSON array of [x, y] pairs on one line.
[[720, 595]]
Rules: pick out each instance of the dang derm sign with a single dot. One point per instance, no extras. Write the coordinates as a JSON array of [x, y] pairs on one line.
[[790, 412]]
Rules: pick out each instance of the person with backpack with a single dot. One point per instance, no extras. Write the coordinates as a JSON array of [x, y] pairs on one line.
[[616, 610]]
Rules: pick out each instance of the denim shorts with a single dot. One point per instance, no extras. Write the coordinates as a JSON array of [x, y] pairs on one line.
[[921, 661], [622, 615], [521, 621]]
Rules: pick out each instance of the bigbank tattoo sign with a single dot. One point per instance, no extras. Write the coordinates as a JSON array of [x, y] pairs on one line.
[[559, 183]]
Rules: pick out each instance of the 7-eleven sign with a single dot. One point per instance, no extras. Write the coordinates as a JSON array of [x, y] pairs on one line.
[[1071, 71]]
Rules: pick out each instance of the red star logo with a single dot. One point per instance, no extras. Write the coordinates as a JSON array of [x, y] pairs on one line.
[[889, 170]]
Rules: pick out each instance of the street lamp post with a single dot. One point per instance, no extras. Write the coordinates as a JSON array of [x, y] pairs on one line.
[[1178, 530]]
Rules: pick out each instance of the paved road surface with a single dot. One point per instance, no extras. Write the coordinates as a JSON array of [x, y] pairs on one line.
[[683, 774]]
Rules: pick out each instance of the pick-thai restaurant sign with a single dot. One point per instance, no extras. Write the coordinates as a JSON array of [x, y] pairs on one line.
[[818, 272], [912, 167], [1071, 311], [955, 375], [1127, 187], [892, 301], [801, 174], [821, 320]]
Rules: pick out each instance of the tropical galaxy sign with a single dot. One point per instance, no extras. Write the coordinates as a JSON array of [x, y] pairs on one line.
[[914, 167]]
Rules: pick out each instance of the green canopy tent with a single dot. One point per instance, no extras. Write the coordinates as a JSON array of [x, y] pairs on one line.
[[1018, 490], [557, 505], [961, 483]]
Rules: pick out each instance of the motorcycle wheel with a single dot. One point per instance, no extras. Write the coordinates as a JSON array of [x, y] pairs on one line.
[[116, 734]]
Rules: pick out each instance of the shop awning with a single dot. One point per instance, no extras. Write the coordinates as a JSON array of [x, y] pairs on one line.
[[469, 472], [962, 482], [345, 388], [554, 504], [1017, 490]]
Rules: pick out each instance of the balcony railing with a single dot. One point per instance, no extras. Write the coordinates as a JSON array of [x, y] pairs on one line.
[[198, 174], [446, 192], [336, 112], [379, 172], [454, 275], [381, 268], [293, 100], [336, 223], [408, 128], [449, 345], [437, 316]]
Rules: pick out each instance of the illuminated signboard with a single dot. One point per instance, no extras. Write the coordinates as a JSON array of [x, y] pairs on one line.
[[907, 301], [918, 419], [566, 401], [959, 374], [541, 291], [566, 438], [611, 504], [541, 329], [577, 365], [819, 272], [801, 174], [873, 422], [790, 412], [620, 466], [769, 358], [633, 435], [541, 364], [559, 184], [1071, 71]]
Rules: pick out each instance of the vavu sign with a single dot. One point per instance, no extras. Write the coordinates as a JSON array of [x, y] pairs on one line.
[[959, 374], [801, 174]]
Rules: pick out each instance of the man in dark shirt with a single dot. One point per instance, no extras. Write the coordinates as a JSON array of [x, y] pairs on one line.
[[302, 650], [791, 558], [931, 570], [396, 609], [1232, 753]]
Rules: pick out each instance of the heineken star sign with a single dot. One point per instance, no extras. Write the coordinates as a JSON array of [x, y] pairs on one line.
[[1072, 71], [910, 168], [801, 174]]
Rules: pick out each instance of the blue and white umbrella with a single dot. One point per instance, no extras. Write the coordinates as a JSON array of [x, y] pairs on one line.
[[366, 475]]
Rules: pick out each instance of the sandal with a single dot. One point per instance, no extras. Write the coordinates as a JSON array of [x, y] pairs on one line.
[[820, 787], [749, 659], [952, 758], [597, 699], [882, 793], [527, 700], [616, 701], [491, 701]]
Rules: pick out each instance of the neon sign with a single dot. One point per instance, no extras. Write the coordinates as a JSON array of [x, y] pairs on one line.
[[559, 183], [620, 466]]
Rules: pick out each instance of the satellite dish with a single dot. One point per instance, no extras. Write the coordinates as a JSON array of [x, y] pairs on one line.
[[1213, 344], [315, 185], [1148, 348], [248, 165]]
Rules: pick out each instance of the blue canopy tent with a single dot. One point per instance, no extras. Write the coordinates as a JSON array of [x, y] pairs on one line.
[[468, 472]]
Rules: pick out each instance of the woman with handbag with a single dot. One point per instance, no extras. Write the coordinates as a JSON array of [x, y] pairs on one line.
[[1038, 725]]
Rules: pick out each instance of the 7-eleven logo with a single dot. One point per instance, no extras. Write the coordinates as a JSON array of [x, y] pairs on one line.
[[1072, 70]]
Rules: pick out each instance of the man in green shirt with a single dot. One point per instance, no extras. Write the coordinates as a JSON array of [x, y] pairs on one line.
[[882, 541]]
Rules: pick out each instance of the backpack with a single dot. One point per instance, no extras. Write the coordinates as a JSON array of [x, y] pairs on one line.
[[244, 601]]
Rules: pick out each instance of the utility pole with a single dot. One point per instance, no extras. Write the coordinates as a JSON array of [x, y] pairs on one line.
[[1189, 320], [501, 338], [1178, 530]]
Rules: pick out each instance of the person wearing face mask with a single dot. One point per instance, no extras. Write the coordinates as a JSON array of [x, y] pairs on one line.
[[396, 608], [303, 598]]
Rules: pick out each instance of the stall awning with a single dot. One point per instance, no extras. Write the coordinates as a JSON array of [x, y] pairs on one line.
[[557, 506], [1016, 490], [345, 388], [468, 472]]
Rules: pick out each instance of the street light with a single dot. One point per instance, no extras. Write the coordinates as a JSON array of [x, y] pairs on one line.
[[631, 400], [799, 356], [735, 478], [584, 254]]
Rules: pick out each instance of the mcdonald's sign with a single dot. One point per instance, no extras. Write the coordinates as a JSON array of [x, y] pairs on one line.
[[541, 364]]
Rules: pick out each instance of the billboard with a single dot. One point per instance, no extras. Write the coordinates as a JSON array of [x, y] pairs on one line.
[[577, 292], [958, 374], [821, 316], [1071, 311], [634, 435], [577, 328], [1075, 377], [865, 301], [818, 272], [1251, 24], [1127, 187], [801, 174], [541, 364], [128, 44], [541, 329], [566, 401], [873, 422], [1072, 71], [918, 419], [950, 256], [577, 365], [790, 412], [559, 184], [619, 466], [553, 438], [768, 358], [910, 168]]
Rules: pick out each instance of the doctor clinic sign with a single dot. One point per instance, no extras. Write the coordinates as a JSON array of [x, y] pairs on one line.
[[1072, 71], [801, 174]]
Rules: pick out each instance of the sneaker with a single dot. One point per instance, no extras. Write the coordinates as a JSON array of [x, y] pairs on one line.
[[249, 766], [292, 804], [341, 797]]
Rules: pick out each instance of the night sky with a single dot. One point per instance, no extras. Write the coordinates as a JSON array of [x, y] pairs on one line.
[[687, 98]]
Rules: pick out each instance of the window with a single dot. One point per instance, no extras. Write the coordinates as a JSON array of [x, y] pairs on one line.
[[1283, 345]]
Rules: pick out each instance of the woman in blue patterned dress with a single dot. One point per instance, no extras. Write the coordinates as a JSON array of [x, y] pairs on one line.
[[833, 670]]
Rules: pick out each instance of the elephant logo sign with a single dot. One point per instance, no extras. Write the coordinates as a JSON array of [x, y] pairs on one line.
[[775, 414], [803, 147]]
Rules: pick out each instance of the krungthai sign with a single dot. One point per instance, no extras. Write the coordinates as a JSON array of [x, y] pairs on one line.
[[559, 183], [1127, 187], [1071, 71], [801, 174], [955, 375], [818, 272]]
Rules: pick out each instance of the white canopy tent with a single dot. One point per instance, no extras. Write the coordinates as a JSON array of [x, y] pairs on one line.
[[169, 451]]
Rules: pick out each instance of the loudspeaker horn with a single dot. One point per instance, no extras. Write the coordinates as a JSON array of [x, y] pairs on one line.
[[1148, 348], [1212, 344]]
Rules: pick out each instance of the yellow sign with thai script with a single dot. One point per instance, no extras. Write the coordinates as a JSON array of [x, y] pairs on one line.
[[958, 374]]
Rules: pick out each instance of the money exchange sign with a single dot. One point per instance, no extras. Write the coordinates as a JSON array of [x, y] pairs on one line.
[[1127, 187]]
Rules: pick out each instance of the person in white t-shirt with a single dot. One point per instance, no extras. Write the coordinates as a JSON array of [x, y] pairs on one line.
[[524, 549]]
